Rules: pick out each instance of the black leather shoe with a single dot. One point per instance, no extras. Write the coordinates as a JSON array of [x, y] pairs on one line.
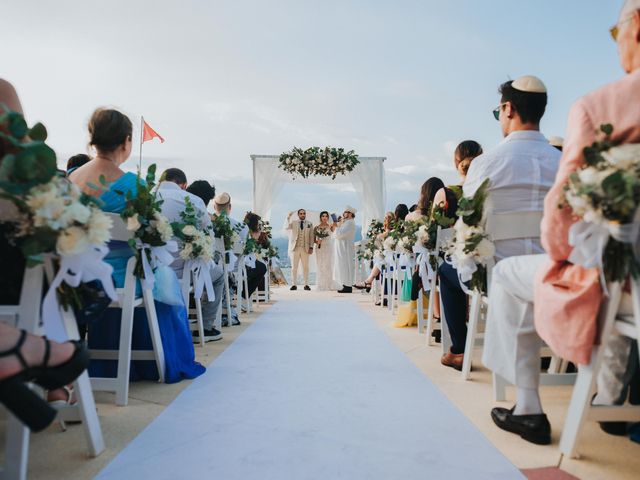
[[614, 428], [345, 289], [293, 288], [307, 287], [532, 428]]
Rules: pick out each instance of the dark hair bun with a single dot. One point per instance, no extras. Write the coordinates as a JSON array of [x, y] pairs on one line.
[[109, 129]]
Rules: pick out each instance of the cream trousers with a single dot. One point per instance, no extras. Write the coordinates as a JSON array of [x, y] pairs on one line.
[[300, 255]]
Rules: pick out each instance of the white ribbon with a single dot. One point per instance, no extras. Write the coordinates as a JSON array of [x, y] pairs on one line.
[[250, 260], [74, 270], [465, 268], [202, 278], [390, 259], [161, 255], [424, 266], [407, 261], [589, 241], [233, 260]]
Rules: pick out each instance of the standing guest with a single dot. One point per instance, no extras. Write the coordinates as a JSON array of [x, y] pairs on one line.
[[520, 170], [222, 205], [567, 297], [110, 133], [173, 191], [301, 240], [76, 162], [345, 233]]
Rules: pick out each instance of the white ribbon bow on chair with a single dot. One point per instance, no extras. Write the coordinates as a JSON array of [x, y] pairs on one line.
[[201, 270], [465, 268], [425, 271], [161, 255], [250, 260], [74, 270]]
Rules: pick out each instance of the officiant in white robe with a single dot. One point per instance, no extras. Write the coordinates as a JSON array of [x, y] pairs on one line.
[[344, 235]]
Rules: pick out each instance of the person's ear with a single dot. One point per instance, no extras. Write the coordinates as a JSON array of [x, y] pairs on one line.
[[509, 110]]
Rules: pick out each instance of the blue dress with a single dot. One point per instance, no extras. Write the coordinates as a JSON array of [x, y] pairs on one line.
[[179, 355]]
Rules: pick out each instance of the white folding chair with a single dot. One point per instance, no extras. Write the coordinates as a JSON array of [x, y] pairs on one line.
[[127, 301], [187, 283], [242, 286], [443, 237], [503, 226], [218, 246], [26, 316], [580, 409]]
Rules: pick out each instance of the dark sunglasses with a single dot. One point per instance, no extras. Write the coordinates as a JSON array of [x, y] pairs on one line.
[[496, 111]]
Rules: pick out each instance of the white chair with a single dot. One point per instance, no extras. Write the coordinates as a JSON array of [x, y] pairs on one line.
[[443, 237], [26, 316], [127, 301], [187, 283], [580, 409], [242, 286], [218, 247], [499, 227]]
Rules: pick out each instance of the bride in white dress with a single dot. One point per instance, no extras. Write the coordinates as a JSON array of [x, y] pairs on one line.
[[324, 253]]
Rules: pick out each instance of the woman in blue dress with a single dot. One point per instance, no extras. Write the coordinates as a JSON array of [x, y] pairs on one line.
[[110, 133]]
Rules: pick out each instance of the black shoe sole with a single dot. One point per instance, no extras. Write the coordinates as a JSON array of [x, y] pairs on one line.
[[537, 439]]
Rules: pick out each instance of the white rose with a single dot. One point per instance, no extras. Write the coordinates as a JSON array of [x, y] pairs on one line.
[[485, 249], [99, 226], [72, 241], [187, 250], [624, 157], [75, 212], [133, 224], [588, 176], [189, 230]]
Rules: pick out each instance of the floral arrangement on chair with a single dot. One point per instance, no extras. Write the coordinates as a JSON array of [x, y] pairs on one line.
[[471, 247], [605, 194], [372, 243], [152, 233], [222, 229], [50, 216], [195, 243], [315, 161]]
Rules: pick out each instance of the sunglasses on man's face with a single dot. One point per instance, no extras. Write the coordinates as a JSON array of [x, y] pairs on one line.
[[496, 111]]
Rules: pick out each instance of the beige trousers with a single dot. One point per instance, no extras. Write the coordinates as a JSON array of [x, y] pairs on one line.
[[300, 255]]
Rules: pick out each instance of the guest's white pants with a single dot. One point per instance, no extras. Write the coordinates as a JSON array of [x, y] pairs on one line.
[[300, 255], [511, 344]]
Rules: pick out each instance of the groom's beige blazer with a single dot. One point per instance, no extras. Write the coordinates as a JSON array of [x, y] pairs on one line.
[[308, 236]]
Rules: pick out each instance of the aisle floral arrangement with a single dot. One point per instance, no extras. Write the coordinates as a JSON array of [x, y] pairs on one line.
[[371, 243], [152, 233], [315, 161], [471, 247], [48, 216], [195, 242], [605, 194], [222, 229]]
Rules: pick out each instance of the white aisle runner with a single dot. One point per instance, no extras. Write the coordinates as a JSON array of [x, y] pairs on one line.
[[312, 390]]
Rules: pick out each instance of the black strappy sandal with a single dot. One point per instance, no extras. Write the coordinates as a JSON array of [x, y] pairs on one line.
[[23, 402]]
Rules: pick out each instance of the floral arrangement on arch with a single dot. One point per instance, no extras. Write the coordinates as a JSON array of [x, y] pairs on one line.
[[315, 161], [47, 215], [605, 193], [471, 246], [152, 233]]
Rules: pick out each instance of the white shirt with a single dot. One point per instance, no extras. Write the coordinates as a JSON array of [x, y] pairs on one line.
[[173, 203], [521, 170]]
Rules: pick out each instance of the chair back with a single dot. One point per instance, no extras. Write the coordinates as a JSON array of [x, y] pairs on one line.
[[510, 226], [119, 230]]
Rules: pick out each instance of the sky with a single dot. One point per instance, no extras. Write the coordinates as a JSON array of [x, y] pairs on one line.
[[221, 80]]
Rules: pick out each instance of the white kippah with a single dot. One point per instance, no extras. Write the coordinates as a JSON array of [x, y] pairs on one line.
[[529, 84], [350, 209], [222, 198], [556, 141], [628, 7]]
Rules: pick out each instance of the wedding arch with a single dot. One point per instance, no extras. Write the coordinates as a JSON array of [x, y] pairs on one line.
[[367, 179]]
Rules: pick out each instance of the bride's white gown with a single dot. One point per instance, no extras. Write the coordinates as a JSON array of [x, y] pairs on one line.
[[324, 264]]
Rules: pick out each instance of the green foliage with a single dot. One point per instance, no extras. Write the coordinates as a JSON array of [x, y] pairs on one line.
[[471, 208], [328, 161]]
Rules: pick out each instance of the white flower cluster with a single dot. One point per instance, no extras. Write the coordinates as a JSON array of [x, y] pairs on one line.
[[197, 244], [466, 235], [159, 224], [58, 205], [404, 245], [422, 235], [389, 244], [314, 161]]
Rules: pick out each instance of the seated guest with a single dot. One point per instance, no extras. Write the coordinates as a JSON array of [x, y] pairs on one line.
[[425, 202], [77, 161], [463, 156], [222, 204], [521, 170], [567, 297], [202, 189], [173, 191], [401, 212], [110, 133], [254, 274]]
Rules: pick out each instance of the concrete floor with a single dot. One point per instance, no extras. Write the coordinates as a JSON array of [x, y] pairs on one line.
[[55, 454]]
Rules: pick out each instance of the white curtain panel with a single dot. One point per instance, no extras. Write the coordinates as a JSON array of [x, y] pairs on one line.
[[367, 178]]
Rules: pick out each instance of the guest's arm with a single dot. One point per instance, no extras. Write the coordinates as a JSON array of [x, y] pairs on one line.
[[556, 222]]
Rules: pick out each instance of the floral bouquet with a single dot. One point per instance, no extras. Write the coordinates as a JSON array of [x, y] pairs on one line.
[[222, 229], [389, 244], [329, 162], [321, 234], [471, 247], [605, 194], [152, 233], [367, 252], [48, 216], [405, 233], [195, 243]]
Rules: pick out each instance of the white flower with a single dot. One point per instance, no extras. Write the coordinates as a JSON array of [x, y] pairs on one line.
[[163, 226], [485, 249], [624, 156], [99, 226], [72, 241], [133, 224], [189, 230], [75, 212], [187, 250]]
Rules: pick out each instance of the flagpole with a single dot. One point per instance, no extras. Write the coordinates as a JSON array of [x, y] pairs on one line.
[[141, 140]]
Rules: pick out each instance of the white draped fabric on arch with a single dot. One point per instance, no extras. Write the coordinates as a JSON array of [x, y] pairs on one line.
[[367, 179]]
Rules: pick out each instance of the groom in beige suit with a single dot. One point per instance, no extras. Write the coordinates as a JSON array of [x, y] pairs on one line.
[[301, 240]]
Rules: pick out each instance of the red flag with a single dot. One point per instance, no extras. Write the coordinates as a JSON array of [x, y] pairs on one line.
[[149, 133]]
